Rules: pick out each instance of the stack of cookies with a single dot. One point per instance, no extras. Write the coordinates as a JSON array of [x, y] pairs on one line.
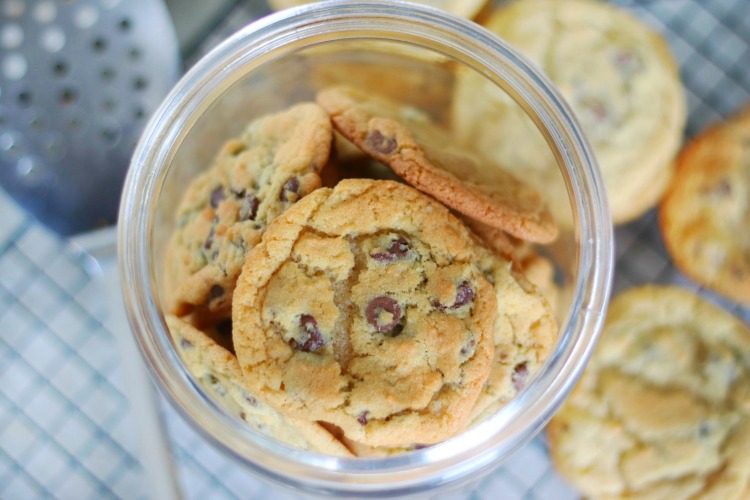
[[362, 317]]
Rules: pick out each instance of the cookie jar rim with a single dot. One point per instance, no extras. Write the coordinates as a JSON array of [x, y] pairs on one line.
[[280, 34]]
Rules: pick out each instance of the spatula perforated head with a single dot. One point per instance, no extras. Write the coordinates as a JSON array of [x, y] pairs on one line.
[[78, 79]]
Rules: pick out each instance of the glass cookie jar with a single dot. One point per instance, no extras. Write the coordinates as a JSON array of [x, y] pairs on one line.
[[413, 54]]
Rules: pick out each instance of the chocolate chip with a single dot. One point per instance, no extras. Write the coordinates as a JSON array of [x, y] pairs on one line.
[[242, 415], [597, 108], [704, 428], [185, 343], [291, 187], [377, 307], [212, 379], [378, 142], [249, 398], [628, 62], [215, 292], [520, 374], [362, 418], [397, 250], [224, 328], [314, 341], [469, 348], [249, 207], [464, 295], [216, 196], [723, 188], [421, 446], [737, 271], [210, 238]]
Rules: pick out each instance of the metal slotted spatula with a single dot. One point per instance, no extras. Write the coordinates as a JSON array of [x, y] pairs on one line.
[[78, 78]]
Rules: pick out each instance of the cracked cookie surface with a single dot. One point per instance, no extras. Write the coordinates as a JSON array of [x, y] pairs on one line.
[[428, 158], [705, 215], [362, 307], [254, 178], [217, 370], [620, 80], [663, 407]]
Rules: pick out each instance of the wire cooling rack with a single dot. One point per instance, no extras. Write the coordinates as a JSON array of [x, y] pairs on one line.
[[65, 426]]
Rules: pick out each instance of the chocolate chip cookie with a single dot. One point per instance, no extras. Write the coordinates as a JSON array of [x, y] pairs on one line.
[[428, 158], [620, 80], [705, 215], [274, 163], [216, 370], [663, 407], [363, 307]]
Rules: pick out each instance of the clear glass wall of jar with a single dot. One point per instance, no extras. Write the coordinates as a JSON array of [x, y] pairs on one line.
[[284, 59]]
